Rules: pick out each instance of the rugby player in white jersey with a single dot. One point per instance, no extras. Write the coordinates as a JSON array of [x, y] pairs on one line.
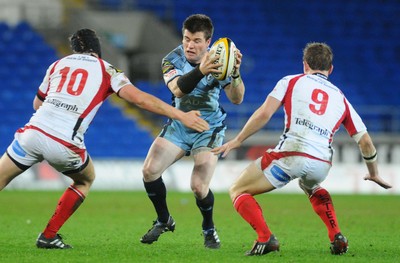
[[72, 91], [314, 110]]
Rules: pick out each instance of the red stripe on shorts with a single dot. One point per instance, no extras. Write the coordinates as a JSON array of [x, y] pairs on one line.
[[268, 157]]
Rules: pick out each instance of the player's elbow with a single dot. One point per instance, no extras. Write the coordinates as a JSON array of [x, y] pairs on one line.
[[178, 93], [236, 100], [37, 103]]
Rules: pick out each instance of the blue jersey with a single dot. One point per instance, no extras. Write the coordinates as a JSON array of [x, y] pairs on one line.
[[206, 94], [203, 98]]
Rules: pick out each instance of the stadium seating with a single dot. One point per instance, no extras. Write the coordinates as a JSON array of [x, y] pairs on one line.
[[365, 38], [24, 58]]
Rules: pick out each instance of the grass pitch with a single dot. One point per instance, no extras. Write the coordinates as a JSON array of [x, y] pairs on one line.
[[108, 226]]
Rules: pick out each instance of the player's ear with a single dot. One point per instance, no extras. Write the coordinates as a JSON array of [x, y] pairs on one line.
[[306, 67], [330, 70]]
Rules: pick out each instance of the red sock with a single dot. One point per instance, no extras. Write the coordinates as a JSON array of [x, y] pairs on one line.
[[322, 203], [67, 205], [251, 211]]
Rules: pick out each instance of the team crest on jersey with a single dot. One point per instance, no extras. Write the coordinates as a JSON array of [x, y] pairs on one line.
[[167, 66], [116, 69], [169, 74]]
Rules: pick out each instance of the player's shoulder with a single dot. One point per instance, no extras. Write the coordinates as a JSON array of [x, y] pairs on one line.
[[292, 76], [287, 78], [109, 67], [176, 56]]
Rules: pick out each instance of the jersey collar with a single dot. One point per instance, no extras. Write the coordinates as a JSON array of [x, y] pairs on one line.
[[320, 75]]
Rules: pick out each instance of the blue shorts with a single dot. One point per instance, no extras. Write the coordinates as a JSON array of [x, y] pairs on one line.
[[190, 140]]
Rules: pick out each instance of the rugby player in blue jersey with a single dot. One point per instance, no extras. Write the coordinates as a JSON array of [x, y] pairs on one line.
[[187, 73]]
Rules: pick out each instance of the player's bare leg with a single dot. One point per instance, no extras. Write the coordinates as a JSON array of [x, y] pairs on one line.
[[8, 170], [67, 205], [252, 182]]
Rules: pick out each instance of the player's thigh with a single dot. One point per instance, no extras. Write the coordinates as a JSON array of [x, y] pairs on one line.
[[8, 170], [205, 161], [316, 173], [252, 181], [161, 155]]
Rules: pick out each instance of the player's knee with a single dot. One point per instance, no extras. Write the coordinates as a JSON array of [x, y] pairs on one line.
[[307, 190], [199, 190], [149, 173], [86, 180], [91, 178], [145, 172], [234, 192]]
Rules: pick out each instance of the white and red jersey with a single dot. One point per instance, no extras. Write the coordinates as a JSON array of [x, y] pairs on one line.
[[72, 91], [314, 110]]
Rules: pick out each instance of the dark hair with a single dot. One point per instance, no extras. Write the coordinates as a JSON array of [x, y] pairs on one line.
[[85, 41], [318, 56], [199, 23]]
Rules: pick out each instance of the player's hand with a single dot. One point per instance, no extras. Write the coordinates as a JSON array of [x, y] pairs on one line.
[[238, 57], [193, 121], [208, 63], [378, 180], [226, 148]]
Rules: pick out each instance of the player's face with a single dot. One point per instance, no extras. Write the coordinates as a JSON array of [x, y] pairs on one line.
[[195, 46]]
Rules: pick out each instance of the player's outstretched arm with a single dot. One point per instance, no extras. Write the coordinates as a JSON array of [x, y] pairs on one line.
[[370, 156], [259, 118], [151, 103], [226, 147]]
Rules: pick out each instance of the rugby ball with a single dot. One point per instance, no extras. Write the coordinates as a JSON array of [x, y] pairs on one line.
[[225, 49]]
